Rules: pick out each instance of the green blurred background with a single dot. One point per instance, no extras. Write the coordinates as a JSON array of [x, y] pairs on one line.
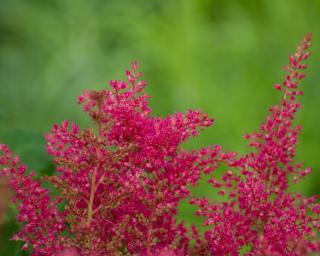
[[222, 56]]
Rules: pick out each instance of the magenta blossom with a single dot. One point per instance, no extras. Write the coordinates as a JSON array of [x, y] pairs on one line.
[[118, 184], [259, 216]]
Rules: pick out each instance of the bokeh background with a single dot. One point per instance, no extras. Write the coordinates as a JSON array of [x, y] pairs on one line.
[[222, 56]]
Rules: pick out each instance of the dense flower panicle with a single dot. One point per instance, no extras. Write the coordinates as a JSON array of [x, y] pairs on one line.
[[260, 216], [44, 224], [119, 183]]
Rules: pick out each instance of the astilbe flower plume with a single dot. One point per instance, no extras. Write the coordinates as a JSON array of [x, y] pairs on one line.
[[119, 183], [259, 215]]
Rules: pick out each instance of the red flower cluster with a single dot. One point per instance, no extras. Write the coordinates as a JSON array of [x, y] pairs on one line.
[[119, 183]]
